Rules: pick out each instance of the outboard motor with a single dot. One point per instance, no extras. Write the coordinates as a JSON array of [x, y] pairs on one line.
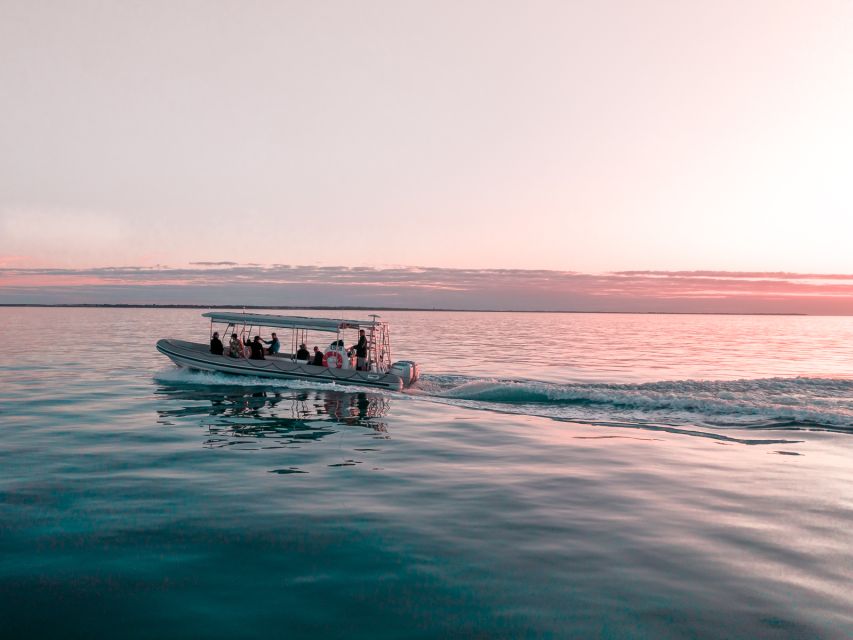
[[407, 370]]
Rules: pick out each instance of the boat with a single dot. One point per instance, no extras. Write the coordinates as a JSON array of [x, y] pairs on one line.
[[339, 364]]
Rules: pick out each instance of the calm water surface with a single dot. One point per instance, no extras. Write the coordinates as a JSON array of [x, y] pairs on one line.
[[553, 476]]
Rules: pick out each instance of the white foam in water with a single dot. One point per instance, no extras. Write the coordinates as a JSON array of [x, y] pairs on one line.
[[179, 375], [814, 401], [768, 402]]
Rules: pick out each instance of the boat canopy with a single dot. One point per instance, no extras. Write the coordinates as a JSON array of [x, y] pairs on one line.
[[331, 325]]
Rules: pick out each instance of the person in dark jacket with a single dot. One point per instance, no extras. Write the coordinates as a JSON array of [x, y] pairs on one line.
[[257, 348], [302, 353], [216, 347], [318, 357], [361, 351]]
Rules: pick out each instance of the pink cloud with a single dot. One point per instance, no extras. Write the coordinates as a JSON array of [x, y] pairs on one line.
[[13, 261], [229, 283]]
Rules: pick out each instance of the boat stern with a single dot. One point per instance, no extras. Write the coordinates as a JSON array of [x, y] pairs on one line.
[[407, 370]]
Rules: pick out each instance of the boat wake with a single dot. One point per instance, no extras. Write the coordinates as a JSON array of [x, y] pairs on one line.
[[767, 403], [784, 403]]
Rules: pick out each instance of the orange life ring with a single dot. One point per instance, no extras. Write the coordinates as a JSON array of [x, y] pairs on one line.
[[333, 360]]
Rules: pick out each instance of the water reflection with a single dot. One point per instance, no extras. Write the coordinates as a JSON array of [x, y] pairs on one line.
[[232, 414]]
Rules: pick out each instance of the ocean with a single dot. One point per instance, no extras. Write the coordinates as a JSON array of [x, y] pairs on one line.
[[551, 476]]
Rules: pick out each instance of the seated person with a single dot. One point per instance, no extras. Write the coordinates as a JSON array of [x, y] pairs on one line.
[[275, 345], [302, 353], [318, 357], [257, 349], [235, 349], [216, 346]]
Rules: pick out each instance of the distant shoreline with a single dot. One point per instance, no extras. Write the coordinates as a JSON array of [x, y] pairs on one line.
[[359, 308]]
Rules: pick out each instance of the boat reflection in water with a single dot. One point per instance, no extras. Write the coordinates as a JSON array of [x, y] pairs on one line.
[[232, 413]]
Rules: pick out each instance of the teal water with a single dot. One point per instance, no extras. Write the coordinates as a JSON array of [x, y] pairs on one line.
[[553, 476]]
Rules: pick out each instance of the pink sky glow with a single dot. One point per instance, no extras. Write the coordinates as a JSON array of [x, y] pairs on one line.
[[513, 289], [613, 155]]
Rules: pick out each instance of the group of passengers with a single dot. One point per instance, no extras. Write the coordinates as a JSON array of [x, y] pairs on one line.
[[254, 349]]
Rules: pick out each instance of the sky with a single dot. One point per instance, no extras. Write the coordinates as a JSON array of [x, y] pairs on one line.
[[391, 139]]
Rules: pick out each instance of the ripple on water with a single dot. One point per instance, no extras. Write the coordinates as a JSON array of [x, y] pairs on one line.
[[165, 503]]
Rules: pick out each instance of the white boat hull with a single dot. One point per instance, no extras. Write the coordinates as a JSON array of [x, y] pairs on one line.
[[197, 356]]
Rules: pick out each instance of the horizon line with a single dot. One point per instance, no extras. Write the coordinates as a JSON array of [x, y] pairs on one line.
[[120, 305], [421, 288]]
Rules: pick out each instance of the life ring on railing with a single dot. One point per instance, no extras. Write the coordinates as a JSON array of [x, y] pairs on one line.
[[333, 360]]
